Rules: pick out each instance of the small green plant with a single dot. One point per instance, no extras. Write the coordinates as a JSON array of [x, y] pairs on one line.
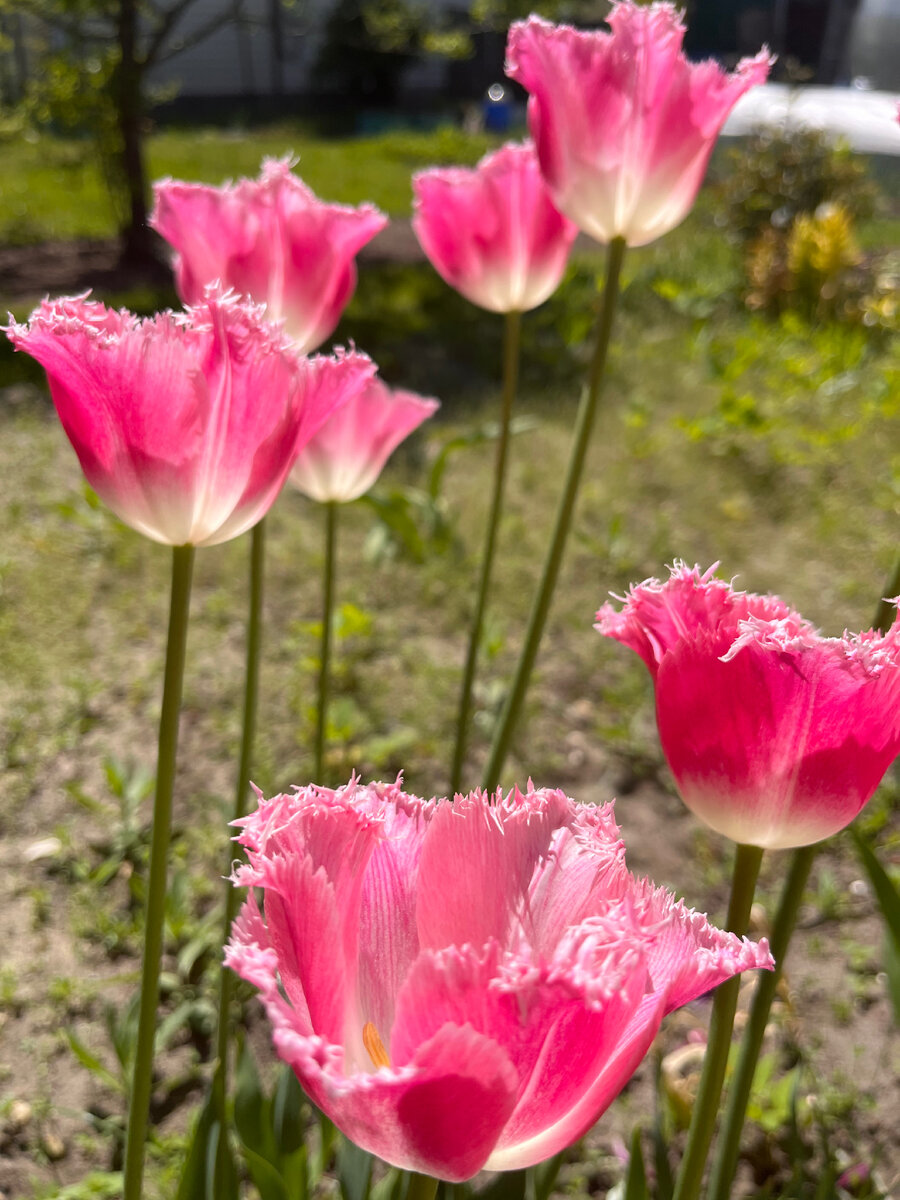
[[125, 845], [10, 1000], [414, 523], [99, 1185]]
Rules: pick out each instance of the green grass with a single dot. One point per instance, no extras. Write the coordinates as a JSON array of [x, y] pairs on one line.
[[53, 188]]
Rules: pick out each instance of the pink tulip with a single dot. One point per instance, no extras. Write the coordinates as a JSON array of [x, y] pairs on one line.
[[776, 735], [493, 232], [185, 425], [462, 985], [624, 124], [349, 451], [270, 239]]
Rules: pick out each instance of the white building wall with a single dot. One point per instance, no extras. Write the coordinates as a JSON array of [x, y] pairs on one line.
[[238, 58]]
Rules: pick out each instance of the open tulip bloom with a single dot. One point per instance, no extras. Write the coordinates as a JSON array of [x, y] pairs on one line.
[[492, 232], [468, 984], [350, 449], [624, 124], [776, 735], [271, 239], [186, 425]]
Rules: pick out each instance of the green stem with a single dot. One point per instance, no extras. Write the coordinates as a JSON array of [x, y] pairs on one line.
[[248, 729], [421, 1187], [541, 605], [747, 860], [139, 1109], [325, 656], [886, 612], [728, 1146], [511, 348]]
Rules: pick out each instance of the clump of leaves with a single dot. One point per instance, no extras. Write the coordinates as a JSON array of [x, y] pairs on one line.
[[779, 173], [791, 202], [817, 268]]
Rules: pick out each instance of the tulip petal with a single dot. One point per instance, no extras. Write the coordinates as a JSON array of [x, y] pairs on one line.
[[477, 863]]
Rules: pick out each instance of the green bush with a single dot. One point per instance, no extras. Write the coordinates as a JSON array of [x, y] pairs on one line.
[[777, 174], [791, 202]]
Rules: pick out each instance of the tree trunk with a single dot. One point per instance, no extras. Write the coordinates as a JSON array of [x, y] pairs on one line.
[[276, 34], [136, 238]]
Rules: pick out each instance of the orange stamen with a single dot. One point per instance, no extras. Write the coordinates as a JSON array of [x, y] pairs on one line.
[[375, 1046]]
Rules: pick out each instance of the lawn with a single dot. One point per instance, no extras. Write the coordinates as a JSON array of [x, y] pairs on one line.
[[768, 444], [53, 187]]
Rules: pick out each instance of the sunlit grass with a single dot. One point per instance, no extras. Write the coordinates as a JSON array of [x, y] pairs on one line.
[[54, 188]]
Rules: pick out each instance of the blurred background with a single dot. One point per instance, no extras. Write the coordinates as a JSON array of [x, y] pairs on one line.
[[109, 71]]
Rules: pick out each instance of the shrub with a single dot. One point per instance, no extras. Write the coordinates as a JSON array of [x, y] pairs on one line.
[[779, 173]]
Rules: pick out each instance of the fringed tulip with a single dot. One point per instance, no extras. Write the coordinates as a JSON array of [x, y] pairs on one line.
[[186, 425], [624, 124], [349, 451], [776, 735], [270, 239], [468, 984], [493, 233]]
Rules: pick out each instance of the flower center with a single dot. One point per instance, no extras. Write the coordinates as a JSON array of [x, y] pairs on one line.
[[375, 1046]]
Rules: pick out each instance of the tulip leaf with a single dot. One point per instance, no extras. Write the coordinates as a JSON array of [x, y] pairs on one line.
[[542, 1178], [636, 1180], [252, 1111], [92, 1062], [327, 1139], [192, 1184], [221, 1180], [209, 1172], [354, 1170], [267, 1179], [288, 1113], [886, 891], [888, 897], [391, 1186], [892, 970], [508, 1185], [665, 1182], [447, 1191], [488, 432], [295, 1173]]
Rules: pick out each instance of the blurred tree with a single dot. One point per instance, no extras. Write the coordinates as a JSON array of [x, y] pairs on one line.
[[89, 61], [369, 43], [499, 14]]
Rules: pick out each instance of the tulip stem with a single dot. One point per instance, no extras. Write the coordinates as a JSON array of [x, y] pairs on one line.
[[511, 353], [251, 699], [728, 1146], [886, 610], [540, 609], [747, 861], [155, 911], [421, 1187], [325, 652]]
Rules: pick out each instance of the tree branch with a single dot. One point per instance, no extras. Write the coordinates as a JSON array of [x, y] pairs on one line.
[[195, 36]]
